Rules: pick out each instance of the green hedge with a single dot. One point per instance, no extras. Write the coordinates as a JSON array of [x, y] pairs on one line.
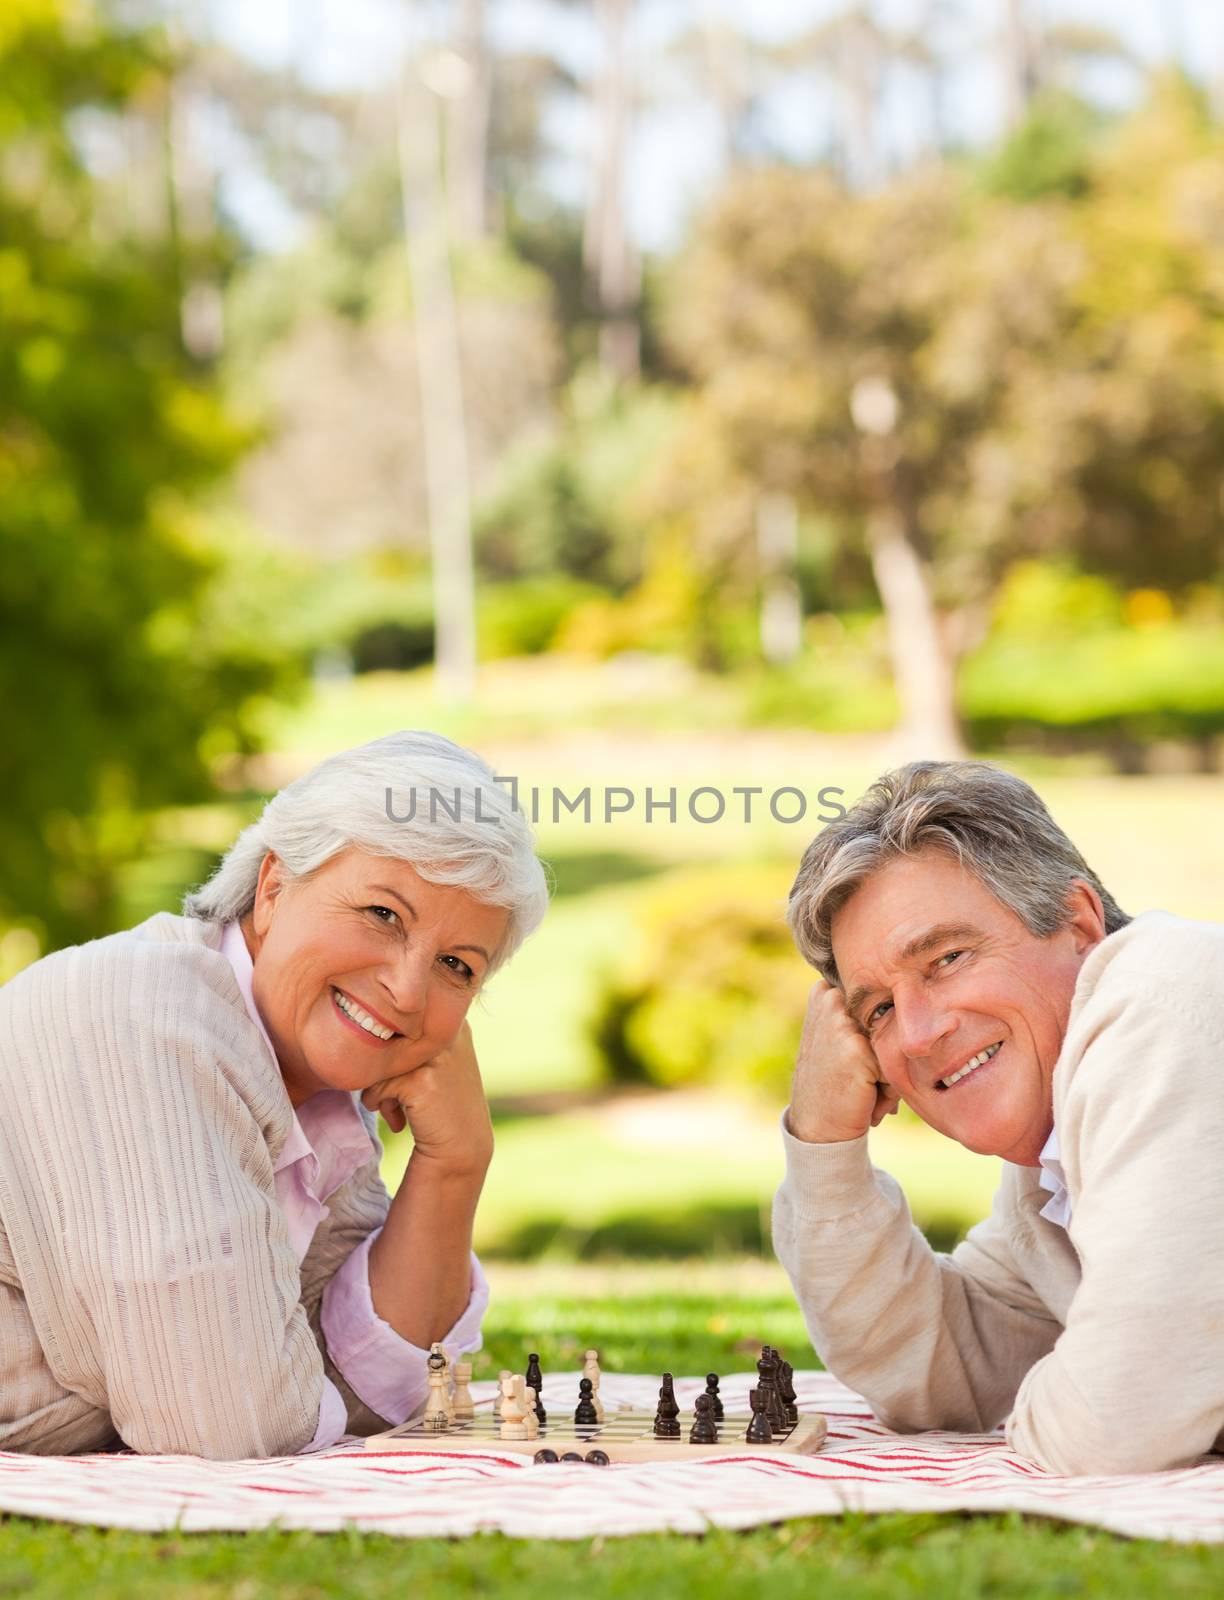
[[713, 992]]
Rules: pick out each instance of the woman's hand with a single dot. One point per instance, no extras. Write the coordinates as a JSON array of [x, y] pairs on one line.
[[443, 1104]]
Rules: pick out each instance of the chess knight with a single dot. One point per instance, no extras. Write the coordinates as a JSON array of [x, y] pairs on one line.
[[976, 969]]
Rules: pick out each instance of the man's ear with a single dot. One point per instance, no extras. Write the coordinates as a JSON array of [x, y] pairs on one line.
[[1085, 916], [267, 890]]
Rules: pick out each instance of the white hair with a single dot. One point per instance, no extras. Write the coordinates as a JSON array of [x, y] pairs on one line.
[[413, 796]]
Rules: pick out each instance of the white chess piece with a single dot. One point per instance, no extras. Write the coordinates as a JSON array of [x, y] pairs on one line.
[[529, 1401], [464, 1407], [437, 1416], [590, 1369], [439, 1351], [513, 1409]]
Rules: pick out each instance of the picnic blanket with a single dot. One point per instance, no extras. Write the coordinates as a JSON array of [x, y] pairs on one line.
[[863, 1468]]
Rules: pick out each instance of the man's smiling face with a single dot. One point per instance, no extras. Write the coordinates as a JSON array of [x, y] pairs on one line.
[[942, 977]]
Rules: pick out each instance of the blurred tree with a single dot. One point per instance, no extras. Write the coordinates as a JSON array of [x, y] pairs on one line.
[[609, 254], [467, 123], [964, 380], [117, 693]]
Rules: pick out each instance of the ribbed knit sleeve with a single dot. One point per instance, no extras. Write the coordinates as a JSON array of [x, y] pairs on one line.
[[136, 1192]]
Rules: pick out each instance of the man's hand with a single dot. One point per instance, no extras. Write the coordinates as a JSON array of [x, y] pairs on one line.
[[444, 1105], [836, 1093]]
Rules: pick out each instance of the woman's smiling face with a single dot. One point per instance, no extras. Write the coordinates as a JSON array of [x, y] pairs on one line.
[[942, 976], [364, 970]]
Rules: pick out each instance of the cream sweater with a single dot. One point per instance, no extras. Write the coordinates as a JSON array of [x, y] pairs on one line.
[[1104, 1344], [148, 1285]]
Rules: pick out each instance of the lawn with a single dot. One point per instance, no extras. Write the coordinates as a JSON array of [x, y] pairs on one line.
[[642, 1318]]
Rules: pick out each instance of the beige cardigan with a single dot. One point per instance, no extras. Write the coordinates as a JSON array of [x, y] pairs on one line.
[[148, 1285], [1105, 1344]]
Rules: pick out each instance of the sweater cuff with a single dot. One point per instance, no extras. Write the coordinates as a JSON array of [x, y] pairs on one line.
[[826, 1181], [385, 1371]]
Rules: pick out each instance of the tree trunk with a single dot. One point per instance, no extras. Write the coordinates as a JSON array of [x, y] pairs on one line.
[[611, 262], [443, 423], [467, 127], [923, 667], [1020, 61], [777, 526]]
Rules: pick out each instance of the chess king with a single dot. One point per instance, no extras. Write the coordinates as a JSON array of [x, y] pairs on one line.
[[197, 1253], [975, 968]]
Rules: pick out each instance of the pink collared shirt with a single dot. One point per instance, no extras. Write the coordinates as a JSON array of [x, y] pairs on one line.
[[327, 1143]]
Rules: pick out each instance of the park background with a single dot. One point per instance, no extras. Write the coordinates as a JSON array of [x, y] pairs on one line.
[[645, 394]]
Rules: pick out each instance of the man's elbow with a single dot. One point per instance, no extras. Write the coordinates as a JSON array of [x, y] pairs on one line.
[[1120, 1452]]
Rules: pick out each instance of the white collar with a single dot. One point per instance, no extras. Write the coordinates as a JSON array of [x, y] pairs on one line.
[[1054, 1180]]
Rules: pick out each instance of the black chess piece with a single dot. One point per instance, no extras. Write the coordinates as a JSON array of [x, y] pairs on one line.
[[535, 1380], [586, 1415], [759, 1430], [767, 1370], [786, 1388], [545, 1457], [571, 1455], [704, 1429], [665, 1423], [598, 1458], [715, 1398]]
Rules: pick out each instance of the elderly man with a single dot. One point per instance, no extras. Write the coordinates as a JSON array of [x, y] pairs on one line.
[[978, 970]]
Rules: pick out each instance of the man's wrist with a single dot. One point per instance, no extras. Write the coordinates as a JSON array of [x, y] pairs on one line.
[[811, 1131]]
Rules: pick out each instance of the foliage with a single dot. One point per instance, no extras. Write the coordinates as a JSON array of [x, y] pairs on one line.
[[523, 618], [1050, 153], [576, 500], [1072, 654], [713, 992], [116, 692]]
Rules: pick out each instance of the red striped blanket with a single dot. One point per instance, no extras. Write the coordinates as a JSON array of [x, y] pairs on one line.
[[863, 1467]]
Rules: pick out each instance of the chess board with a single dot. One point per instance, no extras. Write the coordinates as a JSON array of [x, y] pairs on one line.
[[625, 1435]]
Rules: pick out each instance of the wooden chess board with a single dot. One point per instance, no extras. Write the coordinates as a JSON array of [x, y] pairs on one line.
[[625, 1435]]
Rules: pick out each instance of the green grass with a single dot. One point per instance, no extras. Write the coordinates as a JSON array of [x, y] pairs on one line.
[[681, 1175], [642, 1320], [849, 1558]]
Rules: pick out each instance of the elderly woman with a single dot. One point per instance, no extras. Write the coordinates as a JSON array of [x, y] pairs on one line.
[[197, 1253], [978, 970]]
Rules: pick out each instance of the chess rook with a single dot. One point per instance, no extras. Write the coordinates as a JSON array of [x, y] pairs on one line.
[[759, 1430]]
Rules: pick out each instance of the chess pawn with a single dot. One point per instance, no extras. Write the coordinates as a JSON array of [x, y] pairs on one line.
[[704, 1429], [759, 1430], [535, 1380], [590, 1369], [528, 1397], [586, 1415], [665, 1423], [716, 1405], [513, 1409], [437, 1415], [463, 1407]]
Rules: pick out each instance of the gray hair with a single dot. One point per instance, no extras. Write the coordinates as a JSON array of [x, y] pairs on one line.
[[988, 820], [413, 796]]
